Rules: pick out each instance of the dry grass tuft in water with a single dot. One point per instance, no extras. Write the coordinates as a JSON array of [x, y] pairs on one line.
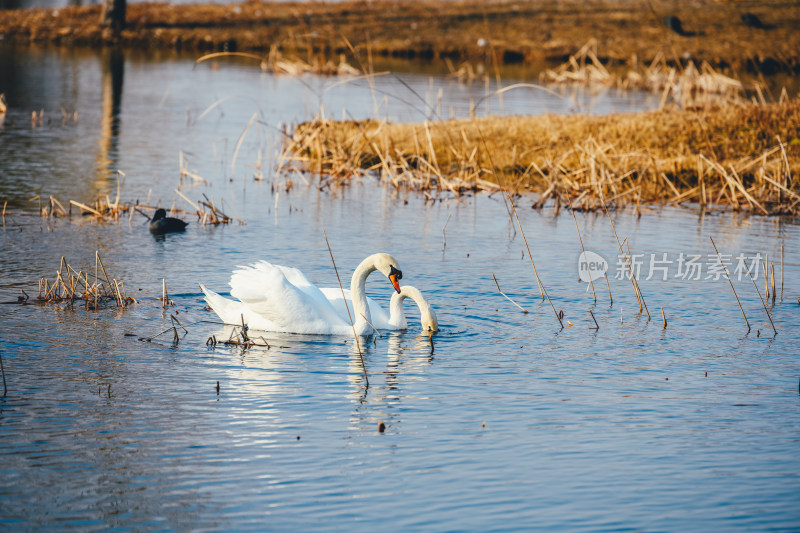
[[103, 209], [744, 156], [71, 285]]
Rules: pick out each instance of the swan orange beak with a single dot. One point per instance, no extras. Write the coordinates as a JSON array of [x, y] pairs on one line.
[[395, 276], [393, 279]]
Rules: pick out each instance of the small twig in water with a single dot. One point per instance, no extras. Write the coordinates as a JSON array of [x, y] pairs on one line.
[[530, 255], [444, 238], [762, 302], [664, 317], [355, 335], [596, 325], [504, 294], [781, 271], [583, 249], [772, 280], [636, 290], [371, 325], [3, 371], [164, 295], [727, 276]]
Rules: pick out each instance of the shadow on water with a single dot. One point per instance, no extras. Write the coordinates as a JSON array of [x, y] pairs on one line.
[[112, 68]]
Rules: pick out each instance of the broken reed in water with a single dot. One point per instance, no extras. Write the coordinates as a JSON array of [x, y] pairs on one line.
[[71, 285], [740, 156], [103, 209]]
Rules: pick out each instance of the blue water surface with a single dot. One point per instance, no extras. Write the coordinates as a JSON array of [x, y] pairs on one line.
[[507, 422]]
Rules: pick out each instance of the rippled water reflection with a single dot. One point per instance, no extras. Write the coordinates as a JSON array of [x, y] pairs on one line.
[[510, 423]]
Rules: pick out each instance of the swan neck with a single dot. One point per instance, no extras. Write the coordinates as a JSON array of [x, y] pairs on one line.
[[397, 316], [422, 303], [358, 291]]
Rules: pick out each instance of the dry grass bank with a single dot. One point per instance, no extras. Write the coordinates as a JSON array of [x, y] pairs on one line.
[[505, 31], [745, 156]]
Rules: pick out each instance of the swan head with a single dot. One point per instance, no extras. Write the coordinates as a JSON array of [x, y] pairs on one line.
[[427, 316], [429, 321], [388, 266]]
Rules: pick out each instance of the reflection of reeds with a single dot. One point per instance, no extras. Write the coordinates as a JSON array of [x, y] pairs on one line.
[[731, 156], [70, 286], [687, 85], [277, 63]]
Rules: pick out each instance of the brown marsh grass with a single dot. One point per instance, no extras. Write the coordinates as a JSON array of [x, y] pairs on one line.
[[742, 156], [70, 285]]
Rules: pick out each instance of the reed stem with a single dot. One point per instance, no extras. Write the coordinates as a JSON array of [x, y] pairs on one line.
[[530, 255], [3, 371], [636, 289], [772, 280], [444, 237], [762, 303], [583, 249], [596, 325], [781, 271], [355, 335], [507, 298], [728, 277]]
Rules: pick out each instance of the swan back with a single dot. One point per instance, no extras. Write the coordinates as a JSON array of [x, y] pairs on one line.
[[284, 297]]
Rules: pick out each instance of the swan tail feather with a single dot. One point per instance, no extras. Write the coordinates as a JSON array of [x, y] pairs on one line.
[[228, 310]]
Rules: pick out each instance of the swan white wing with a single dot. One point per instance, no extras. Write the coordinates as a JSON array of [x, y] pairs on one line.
[[233, 312], [301, 282], [266, 292]]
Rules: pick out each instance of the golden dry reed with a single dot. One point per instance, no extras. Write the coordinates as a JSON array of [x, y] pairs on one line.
[[71, 285], [741, 156]]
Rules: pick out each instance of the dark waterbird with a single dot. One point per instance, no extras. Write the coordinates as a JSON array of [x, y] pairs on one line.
[[674, 23], [752, 20], [161, 223]]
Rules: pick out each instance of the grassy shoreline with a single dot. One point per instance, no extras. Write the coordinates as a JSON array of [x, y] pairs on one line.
[[742, 156], [499, 32]]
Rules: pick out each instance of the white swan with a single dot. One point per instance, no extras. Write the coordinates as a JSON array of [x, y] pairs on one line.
[[279, 298], [396, 320]]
